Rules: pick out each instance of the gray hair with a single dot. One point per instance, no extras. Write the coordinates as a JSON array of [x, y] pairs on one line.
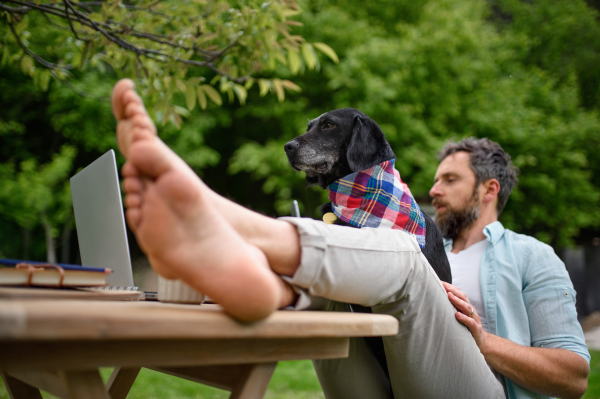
[[488, 161]]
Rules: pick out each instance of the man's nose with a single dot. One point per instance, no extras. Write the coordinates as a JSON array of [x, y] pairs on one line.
[[291, 146], [435, 190]]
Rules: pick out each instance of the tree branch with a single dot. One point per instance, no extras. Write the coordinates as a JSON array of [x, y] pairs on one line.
[[54, 23], [15, 10], [83, 93], [33, 55], [127, 6], [82, 5], [67, 5], [107, 30]]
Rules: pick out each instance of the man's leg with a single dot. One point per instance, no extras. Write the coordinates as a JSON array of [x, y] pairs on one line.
[[433, 356]]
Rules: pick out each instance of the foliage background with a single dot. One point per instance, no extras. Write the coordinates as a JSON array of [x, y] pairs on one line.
[[523, 73]]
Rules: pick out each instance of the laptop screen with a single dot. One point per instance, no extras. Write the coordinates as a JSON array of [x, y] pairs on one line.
[[100, 221]]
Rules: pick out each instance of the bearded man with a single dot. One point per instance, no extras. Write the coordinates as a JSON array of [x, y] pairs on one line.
[[511, 291]]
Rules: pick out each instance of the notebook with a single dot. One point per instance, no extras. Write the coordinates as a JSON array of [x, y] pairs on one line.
[[15, 272], [100, 221]]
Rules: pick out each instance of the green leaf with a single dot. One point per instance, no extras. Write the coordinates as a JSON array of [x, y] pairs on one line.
[[280, 57], [182, 85], [96, 17], [160, 106], [294, 61], [288, 84], [249, 83], [308, 53], [84, 52], [21, 26], [201, 97], [5, 56], [213, 94], [278, 87], [190, 96], [264, 86], [27, 64], [289, 12], [328, 51], [229, 91], [168, 111], [44, 80], [181, 111], [241, 93]]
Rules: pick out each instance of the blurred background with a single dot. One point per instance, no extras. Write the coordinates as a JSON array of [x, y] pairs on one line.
[[523, 73]]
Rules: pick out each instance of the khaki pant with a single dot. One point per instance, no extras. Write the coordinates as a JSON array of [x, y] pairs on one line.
[[433, 355]]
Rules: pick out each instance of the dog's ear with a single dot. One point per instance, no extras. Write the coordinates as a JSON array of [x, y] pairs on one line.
[[368, 145]]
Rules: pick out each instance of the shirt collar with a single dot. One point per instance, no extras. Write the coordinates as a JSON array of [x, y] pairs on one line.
[[493, 232]]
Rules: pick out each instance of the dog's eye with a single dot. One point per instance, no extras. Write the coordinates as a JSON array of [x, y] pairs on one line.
[[329, 125]]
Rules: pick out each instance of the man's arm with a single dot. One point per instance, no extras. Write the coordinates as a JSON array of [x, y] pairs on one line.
[[549, 371]]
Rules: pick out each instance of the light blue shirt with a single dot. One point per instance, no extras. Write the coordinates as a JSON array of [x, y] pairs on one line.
[[528, 296]]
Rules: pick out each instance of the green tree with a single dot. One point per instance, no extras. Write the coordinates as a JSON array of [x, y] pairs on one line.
[[447, 74], [175, 51], [427, 72], [39, 195], [162, 45]]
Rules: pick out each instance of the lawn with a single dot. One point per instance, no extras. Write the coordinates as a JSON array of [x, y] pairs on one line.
[[295, 379], [593, 391]]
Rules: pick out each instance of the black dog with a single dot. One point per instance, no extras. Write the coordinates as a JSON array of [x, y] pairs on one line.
[[345, 141]]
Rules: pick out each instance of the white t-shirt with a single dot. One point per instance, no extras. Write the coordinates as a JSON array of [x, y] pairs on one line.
[[465, 267]]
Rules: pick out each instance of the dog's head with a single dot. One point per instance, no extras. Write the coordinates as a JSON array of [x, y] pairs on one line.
[[336, 144]]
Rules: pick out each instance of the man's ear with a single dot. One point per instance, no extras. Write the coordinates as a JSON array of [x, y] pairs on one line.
[[492, 188], [364, 150]]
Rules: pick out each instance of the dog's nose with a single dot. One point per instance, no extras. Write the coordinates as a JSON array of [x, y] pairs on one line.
[[291, 146]]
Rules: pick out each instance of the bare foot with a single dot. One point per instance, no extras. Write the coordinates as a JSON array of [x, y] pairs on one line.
[[170, 211]]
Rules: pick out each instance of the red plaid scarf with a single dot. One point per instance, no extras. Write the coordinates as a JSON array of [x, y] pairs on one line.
[[376, 197]]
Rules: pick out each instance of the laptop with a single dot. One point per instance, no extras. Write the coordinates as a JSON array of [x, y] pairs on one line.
[[100, 221]]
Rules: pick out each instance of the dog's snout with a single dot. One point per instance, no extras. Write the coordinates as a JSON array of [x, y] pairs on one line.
[[291, 146]]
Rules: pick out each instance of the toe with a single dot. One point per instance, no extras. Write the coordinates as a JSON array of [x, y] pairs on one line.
[[123, 138], [133, 185], [132, 104], [133, 200], [134, 108], [122, 87], [129, 170], [143, 122], [134, 217]]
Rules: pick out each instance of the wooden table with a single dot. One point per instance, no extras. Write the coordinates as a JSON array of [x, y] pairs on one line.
[[58, 345]]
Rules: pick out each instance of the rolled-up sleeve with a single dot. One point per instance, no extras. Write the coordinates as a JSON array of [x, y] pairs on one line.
[[550, 302]]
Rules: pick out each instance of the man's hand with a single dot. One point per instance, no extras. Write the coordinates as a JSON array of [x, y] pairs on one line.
[[466, 314], [553, 372]]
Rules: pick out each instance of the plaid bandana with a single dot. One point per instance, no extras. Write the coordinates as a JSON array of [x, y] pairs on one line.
[[376, 197]]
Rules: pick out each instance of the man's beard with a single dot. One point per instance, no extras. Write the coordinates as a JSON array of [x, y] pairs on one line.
[[452, 222]]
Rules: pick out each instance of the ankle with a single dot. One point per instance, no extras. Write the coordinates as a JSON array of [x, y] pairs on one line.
[[280, 242]]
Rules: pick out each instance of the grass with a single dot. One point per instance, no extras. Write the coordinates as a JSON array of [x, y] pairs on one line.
[[593, 391], [295, 379]]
